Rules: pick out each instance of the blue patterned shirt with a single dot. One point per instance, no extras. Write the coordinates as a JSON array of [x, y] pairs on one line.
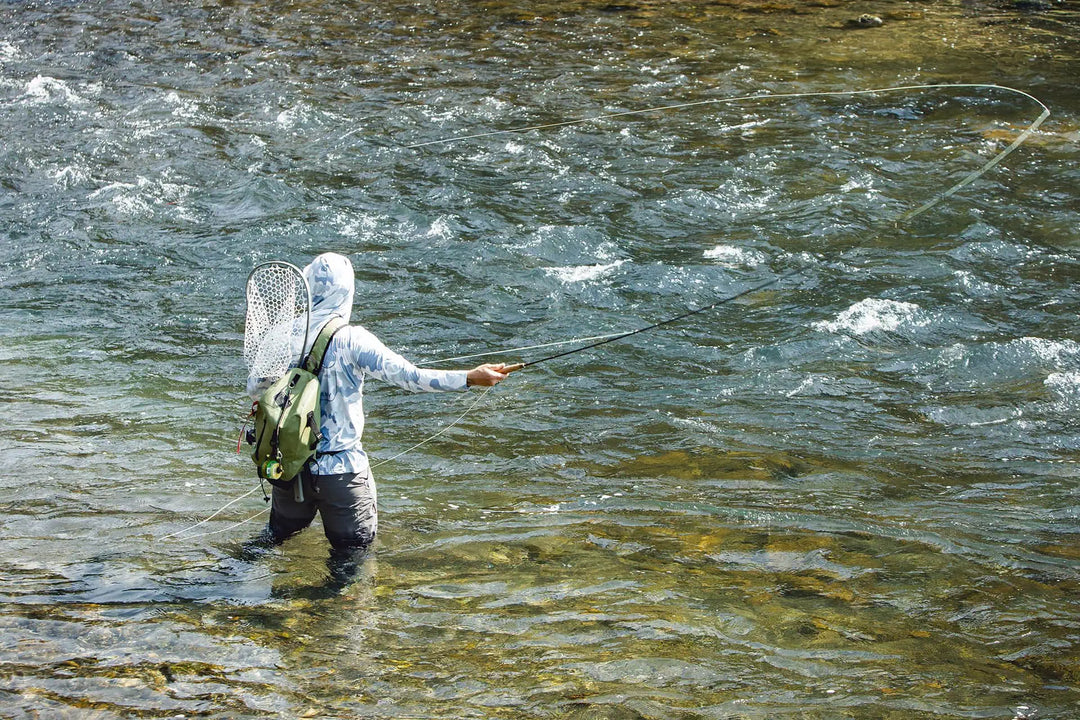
[[354, 354]]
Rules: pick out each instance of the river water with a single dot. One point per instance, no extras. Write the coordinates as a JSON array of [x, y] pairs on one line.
[[852, 494]]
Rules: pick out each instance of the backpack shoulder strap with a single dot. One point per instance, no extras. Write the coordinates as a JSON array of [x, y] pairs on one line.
[[313, 362]]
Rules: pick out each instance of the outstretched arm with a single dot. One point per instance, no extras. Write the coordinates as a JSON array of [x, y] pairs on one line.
[[490, 374], [372, 357]]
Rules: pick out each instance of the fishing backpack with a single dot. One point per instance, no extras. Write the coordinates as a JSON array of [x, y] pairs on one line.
[[287, 415]]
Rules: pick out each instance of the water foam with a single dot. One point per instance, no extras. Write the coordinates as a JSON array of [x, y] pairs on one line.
[[183, 107], [440, 229], [144, 196], [71, 176], [43, 90], [876, 315], [582, 273], [733, 257], [9, 52], [1051, 352]]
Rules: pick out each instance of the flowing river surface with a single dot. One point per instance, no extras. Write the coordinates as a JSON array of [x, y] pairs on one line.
[[850, 494]]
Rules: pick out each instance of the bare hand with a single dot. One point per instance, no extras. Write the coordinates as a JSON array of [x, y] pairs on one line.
[[491, 373]]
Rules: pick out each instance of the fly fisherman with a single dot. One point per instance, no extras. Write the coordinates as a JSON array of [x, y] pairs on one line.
[[338, 483]]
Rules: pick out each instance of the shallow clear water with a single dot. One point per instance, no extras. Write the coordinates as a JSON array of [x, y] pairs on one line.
[[850, 495]]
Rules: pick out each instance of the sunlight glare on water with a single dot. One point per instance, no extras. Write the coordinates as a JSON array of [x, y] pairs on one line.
[[851, 494]]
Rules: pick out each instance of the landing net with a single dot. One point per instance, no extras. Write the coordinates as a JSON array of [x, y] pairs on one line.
[[277, 319]]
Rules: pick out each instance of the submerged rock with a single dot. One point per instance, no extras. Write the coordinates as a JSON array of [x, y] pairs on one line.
[[865, 21]]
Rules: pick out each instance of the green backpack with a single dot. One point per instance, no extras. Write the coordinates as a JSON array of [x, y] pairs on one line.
[[287, 415]]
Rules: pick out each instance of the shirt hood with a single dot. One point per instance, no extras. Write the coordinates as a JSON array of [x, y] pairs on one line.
[[331, 279]]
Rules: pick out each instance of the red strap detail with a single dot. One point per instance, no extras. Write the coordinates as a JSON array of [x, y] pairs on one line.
[[240, 440]]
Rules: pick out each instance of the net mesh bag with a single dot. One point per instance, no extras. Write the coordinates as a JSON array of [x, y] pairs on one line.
[[276, 323]]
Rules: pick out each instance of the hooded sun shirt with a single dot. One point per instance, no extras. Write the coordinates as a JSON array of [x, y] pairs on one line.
[[352, 355]]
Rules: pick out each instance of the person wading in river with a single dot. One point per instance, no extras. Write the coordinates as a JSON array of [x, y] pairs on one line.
[[338, 483]]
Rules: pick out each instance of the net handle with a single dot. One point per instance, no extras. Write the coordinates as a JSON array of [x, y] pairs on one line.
[[303, 280]]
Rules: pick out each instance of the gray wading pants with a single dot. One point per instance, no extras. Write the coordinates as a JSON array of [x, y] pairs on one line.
[[346, 503]]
